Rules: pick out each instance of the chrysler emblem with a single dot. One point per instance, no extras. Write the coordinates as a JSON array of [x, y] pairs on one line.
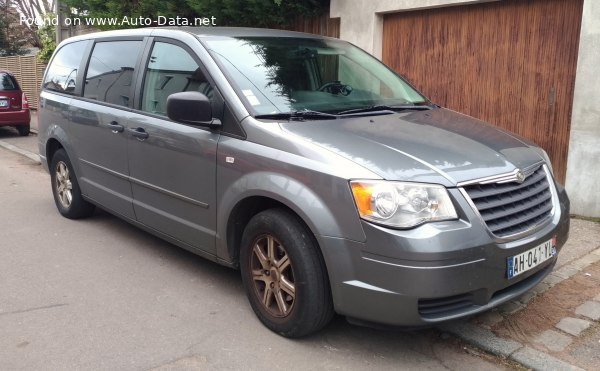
[[520, 176]]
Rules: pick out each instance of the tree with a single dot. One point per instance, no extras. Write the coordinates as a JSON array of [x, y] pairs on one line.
[[133, 9], [33, 10], [12, 39], [255, 13]]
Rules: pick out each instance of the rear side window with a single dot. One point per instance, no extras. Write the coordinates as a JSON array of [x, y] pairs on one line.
[[7, 82], [111, 70], [62, 73]]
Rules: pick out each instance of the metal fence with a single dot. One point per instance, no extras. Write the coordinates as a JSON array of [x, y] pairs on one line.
[[29, 72]]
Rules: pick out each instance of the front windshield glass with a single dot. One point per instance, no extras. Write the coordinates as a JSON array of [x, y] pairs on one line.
[[283, 74]]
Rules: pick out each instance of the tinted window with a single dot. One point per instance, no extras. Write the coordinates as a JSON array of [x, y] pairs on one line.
[[62, 73], [110, 71], [7, 82], [170, 70]]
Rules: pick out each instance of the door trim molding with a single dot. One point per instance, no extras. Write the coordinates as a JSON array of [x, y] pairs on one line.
[[147, 185]]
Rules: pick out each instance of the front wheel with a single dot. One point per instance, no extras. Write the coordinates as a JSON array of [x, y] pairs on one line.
[[65, 188], [284, 275]]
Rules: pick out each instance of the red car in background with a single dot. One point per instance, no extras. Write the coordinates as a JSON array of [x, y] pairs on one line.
[[14, 108]]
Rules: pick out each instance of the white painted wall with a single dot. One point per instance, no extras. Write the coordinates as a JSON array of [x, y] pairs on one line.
[[361, 22], [583, 165]]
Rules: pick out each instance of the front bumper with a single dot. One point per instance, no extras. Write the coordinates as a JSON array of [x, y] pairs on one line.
[[434, 273]]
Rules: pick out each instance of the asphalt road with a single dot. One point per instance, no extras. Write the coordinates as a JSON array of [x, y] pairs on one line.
[[101, 294]]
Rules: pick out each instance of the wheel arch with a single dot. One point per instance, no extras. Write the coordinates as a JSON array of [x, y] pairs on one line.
[[56, 138], [245, 210], [52, 145], [262, 191]]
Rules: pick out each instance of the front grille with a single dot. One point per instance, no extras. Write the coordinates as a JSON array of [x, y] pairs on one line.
[[511, 208]]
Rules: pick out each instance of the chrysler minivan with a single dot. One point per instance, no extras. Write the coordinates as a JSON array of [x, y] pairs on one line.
[[331, 183]]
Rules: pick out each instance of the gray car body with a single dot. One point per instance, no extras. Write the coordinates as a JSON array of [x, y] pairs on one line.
[[196, 187]]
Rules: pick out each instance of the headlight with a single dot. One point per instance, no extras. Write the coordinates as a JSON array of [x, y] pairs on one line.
[[401, 204]]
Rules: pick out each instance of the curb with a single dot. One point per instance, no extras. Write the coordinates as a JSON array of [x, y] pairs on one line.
[[30, 155], [505, 348], [485, 339]]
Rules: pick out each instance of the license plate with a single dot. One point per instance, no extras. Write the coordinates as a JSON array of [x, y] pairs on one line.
[[530, 259], [3, 103]]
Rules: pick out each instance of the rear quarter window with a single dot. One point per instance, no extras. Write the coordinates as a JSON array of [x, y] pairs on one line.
[[7, 82], [62, 72]]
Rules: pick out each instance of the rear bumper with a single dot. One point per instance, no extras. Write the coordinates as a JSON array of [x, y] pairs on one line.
[[13, 118], [434, 273]]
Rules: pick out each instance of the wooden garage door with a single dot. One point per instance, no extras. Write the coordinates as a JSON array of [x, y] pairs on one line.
[[511, 63]]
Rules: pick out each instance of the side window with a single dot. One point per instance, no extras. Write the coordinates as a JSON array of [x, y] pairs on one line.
[[7, 82], [171, 69], [110, 71], [62, 72]]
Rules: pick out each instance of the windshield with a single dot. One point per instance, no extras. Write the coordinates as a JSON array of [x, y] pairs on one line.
[[283, 74]]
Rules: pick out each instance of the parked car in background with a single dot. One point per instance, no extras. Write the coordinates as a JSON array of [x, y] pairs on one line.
[[14, 108], [327, 179]]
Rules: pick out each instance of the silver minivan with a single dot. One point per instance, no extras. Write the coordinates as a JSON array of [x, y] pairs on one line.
[[325, 178]]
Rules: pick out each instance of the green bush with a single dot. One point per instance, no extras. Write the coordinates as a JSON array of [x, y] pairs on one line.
[[47, 34]]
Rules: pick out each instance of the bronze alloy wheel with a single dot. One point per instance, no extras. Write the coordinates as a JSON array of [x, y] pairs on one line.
[[284, 274], [63, 185], [273, 276]]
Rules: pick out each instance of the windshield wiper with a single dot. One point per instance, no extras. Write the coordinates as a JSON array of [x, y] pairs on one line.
[[298, 116], [376, 108], [316, 115]]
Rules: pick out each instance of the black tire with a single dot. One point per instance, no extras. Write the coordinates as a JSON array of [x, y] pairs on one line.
[[311, 307], [64, 183], [23, 130]]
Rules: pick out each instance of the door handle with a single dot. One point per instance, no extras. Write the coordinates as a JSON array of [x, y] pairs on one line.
[[116, 127], [139, 133]]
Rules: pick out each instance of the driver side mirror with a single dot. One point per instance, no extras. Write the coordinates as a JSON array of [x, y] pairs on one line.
[[191, 107]]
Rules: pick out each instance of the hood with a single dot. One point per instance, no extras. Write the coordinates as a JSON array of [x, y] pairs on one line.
[[434, 146]]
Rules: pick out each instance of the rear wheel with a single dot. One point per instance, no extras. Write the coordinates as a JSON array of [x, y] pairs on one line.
[[284, 275], [23, 130], [66, 191]]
